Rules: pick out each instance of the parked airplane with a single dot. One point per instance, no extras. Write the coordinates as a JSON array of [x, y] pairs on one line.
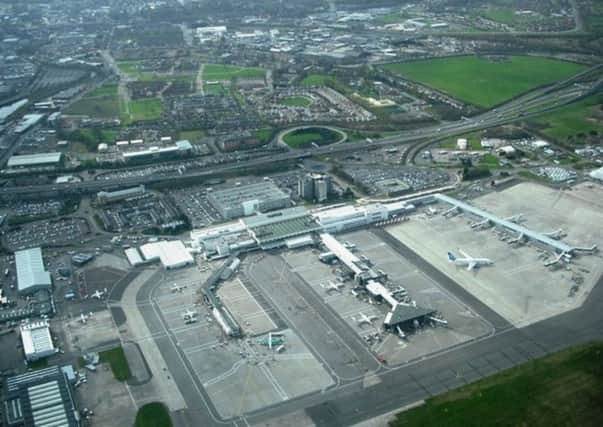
[[177, 288], [468, 261], [189, 316], [98, 294], [332, 286], [84, 318], [363, 318]]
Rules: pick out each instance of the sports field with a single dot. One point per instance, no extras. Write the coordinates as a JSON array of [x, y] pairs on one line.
[[228, 72], [575, 120], [316, 80], [485, 82], [564, 389], [142, 109]]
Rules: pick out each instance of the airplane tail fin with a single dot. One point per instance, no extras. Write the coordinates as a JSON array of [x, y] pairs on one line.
[[451, 257]]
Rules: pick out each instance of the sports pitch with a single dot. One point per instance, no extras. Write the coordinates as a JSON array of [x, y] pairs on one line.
[[485, 82]]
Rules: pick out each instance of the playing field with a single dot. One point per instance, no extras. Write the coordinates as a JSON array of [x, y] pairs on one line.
[[316, 80], [484, 82], [574, 121], [228, 72], [564, 389], [144, 109]]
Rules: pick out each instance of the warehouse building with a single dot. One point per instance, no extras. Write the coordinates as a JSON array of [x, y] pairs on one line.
[[37, 341], [245, 200], [34, 160], [172, 254], [106, 197], [31, 274], [42, 398]]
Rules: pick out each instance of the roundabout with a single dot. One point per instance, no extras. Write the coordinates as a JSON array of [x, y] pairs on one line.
[[302, 137]]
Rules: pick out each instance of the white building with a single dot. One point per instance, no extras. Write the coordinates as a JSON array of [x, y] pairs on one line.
[[172, 254], [37, 341], [31, 274]]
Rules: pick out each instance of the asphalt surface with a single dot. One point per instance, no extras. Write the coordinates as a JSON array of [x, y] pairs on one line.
[[350, 402]]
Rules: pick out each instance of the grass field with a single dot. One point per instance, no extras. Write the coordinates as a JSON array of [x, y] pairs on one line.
[[100, 103], [316, 80], [214, 89], [229, 72], [118, 362], [192, 135], [296, 101], [153, 414], [564, 389], [483, 82], [582, 117], [145, 109], [264, 135], [302, 138]]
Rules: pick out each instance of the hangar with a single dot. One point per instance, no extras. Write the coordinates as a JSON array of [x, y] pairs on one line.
[[31, 274]]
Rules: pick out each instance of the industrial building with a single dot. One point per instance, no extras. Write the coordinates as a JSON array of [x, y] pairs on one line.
[[37, 341], [106, 197], [34, 160], [180, 148], [42, 398], [245, 200], [172, 254], [31, 273], [314, 187]]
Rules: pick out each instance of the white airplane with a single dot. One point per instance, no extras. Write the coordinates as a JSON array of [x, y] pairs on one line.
[[468, 261], [332, 286], [84, 318], [363, 318], [98, 294], [177, 288], [189, 316]]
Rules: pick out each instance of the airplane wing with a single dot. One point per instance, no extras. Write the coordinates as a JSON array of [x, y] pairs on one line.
[[465, 254], [471, 265]]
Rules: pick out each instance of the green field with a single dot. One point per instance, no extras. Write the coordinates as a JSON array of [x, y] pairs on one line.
[[264, 135], [296, 101], [192, 135], [303, 138], [100, 103], [118, 362], [145, 109], [564, 389], [316, 80], [575, 120], [214, 89], [483, 82], [153, 414], [228, 72]]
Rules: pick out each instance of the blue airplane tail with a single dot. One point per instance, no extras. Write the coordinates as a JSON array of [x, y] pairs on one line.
[[451, 257]]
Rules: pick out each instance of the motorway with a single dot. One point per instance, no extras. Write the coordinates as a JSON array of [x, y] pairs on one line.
[[528, 105]]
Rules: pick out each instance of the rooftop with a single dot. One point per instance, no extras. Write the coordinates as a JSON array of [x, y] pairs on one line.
[[34, 159], [265, 190], [30, 270]]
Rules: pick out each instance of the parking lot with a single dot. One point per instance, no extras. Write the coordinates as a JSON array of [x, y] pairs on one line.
[[239, 375], [192, 201], [47, 233], [414, 178]]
